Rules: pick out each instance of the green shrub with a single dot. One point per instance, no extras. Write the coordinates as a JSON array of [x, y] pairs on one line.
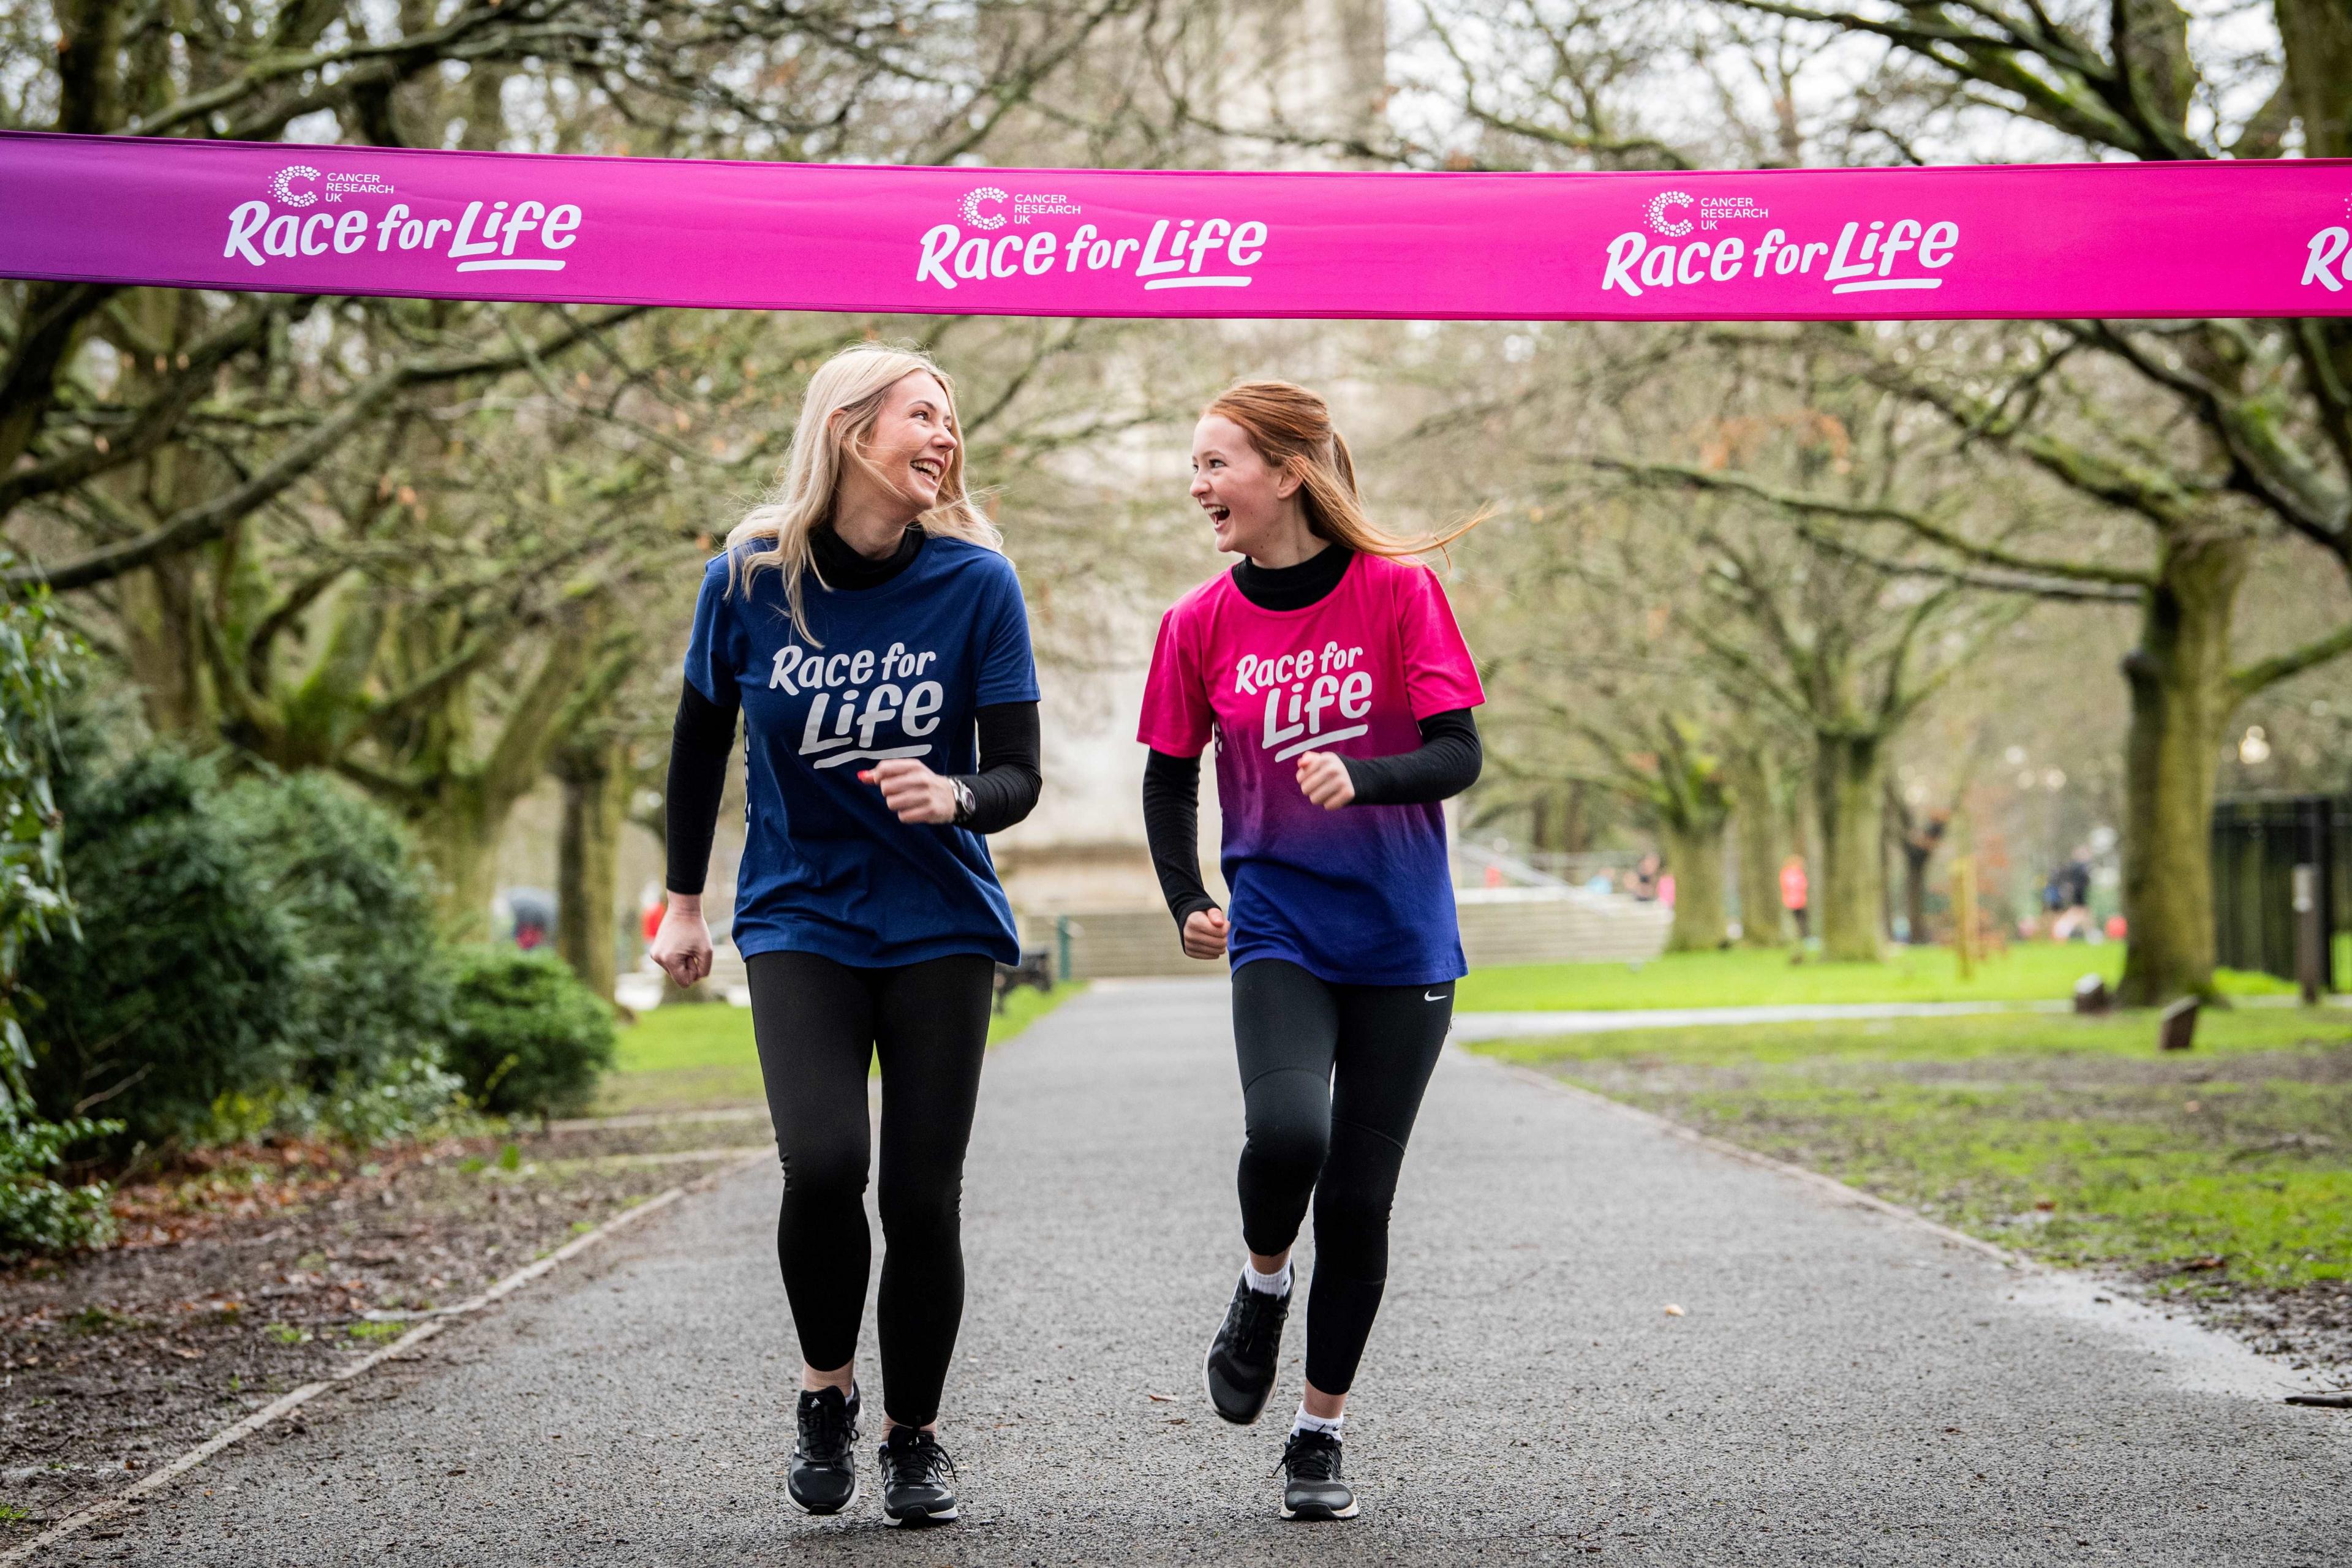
[[36, 659], [178, 992], [399, 1096], [257, 958], [38, 1212], [528, 1036], [372, 996]]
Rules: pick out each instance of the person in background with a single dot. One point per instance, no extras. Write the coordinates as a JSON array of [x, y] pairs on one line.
[[1793, 892]]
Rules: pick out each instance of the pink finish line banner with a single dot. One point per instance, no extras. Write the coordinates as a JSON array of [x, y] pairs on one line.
[[2187, 239]]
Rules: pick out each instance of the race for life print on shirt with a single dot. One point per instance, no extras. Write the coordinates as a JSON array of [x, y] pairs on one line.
[[1364, 895], [894, 670]]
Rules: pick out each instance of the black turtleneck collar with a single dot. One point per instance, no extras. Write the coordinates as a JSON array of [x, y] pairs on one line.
[[1293, 587], [841, 566]]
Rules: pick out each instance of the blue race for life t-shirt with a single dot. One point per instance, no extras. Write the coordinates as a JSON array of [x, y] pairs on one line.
[[894, 670]]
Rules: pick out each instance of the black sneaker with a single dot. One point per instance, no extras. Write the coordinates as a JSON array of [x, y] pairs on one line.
[[823, 1474], [1311, 1487], [918, 1479], [1240, 1370]]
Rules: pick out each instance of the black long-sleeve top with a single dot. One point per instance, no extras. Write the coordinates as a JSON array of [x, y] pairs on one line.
[[1004, 791], [1446, 762]]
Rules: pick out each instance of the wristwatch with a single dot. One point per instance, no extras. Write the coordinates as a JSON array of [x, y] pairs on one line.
[[965, 803]]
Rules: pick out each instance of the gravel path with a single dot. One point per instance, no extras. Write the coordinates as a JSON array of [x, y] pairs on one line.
[[1842, 1386]]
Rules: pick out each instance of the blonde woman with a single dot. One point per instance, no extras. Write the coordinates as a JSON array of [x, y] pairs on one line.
[[869, 630], [1328, 669]]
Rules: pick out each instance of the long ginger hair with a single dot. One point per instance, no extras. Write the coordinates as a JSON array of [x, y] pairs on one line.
[[1291, 428], [837, 414]]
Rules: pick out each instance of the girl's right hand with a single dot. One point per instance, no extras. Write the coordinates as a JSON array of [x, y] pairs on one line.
[[1205, 933], [681, 947]]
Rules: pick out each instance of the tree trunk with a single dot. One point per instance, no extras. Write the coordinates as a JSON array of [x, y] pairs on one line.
[[1886, 883], [1575, 821], [461, 814], [1695, 855], [164, 647], [587, 856], [1756, 829], [2181, 699], [2318, 36], [1915, 856], [1847, 894], [460, 839]]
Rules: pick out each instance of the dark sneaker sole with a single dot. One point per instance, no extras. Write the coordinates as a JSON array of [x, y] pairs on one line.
[[1312, 1514], [920, 1517], [1209, 1390], [820, 1510]]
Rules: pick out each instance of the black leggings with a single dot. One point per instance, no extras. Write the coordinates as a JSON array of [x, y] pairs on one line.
[[1331, 1078], [819, 1026]]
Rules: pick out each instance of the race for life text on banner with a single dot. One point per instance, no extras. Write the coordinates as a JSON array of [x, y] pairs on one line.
[[2177, 239]]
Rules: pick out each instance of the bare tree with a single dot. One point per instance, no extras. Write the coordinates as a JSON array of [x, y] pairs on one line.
[[416, 542], [2210, 434]]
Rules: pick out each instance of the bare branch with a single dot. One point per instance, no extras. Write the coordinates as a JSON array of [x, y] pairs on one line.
[[1872, 511]]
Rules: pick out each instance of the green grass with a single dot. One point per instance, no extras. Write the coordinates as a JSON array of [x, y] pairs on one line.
[[2069, 1139], [702, 1056], [1745, 978]]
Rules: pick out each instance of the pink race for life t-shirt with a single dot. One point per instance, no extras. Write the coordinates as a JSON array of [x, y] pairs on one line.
[[1361, 896]]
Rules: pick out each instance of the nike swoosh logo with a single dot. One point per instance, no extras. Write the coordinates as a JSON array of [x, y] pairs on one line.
[[1432, 995]]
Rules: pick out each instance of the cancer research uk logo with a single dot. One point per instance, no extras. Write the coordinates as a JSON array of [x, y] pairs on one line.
[[488, 236], [1199, 253], [1867, 255]]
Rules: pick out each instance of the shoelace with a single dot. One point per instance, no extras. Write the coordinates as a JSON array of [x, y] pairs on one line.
[[826, 1431], [1311, 1457], [1254, 1335], [922, 1460]]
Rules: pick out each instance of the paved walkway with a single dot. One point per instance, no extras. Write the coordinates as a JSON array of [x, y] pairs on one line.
[[1844, 1387]]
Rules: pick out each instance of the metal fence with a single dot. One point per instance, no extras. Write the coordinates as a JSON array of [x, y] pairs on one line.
[[2258, 840]]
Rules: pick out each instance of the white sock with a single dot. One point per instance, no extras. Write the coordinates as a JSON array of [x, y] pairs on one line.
[[1303, 1422], [1274, 1284]]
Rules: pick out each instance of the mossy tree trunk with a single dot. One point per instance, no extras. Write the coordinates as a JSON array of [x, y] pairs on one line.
[[458, 831], [1695, 855], [458, 795], [594, 773], [2182, 694], [1849, 895], [1678, 790], [1915, 856], [1756, 808]]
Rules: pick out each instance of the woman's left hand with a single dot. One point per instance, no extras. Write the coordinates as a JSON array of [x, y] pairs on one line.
[[912, 790], [1323, 779]]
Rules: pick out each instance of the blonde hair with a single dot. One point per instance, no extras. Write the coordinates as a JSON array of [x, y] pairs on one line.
[[837, 414], [1291, 428]]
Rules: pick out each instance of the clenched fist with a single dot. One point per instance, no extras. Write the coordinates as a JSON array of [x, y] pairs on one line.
[[912, 790], [1205, 931], [1323, 779]]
